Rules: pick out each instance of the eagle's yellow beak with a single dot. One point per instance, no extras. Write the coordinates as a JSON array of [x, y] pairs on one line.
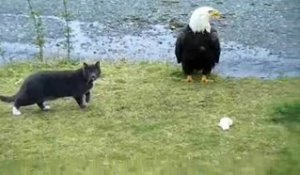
[[216, 14]]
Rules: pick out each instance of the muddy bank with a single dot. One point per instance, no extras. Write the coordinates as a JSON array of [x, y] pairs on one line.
[[259, 39]]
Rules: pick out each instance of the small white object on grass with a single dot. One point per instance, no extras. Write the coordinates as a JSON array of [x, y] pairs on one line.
[[225, 123]]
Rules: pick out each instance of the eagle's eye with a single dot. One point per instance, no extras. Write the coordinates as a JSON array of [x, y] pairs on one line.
[[210, 11]]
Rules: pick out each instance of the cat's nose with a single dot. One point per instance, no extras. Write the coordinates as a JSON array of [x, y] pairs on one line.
[[94, 77]]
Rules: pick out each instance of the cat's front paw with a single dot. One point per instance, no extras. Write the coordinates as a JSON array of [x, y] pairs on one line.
[[84, 105], [46, 108]]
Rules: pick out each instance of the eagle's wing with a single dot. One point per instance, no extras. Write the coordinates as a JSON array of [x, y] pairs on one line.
[[215, 44], [179, 47]]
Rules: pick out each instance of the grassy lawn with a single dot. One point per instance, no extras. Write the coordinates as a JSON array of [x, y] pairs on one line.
[[143, 119]]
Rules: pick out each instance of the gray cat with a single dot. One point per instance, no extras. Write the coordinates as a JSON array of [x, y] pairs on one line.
[[49, 85]]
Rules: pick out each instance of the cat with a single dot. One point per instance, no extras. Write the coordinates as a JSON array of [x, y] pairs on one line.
[[49, 85]]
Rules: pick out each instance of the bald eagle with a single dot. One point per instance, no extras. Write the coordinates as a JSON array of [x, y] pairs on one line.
[[197, 46]]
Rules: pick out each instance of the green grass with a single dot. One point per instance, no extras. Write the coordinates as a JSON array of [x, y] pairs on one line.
[[289, 115], [143, 119]]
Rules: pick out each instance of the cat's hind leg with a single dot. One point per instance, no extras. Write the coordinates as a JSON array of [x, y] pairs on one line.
[[16, 111], [43, 106], [21, 100]]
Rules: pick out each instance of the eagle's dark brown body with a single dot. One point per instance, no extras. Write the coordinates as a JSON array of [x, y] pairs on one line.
[[197, 51]]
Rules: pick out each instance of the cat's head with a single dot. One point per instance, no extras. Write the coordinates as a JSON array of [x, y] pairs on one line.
[[91, 72]]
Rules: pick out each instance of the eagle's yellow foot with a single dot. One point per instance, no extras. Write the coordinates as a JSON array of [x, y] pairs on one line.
[[205, 80], [189, 79]]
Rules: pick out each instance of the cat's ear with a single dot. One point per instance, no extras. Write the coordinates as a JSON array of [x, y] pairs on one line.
[[97, 64], [85, 65]]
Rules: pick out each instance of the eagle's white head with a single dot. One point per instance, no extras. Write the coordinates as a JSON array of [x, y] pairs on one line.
[[199, 21]]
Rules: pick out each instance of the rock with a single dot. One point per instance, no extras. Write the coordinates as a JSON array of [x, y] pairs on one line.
[[170, 1], [175, 23]]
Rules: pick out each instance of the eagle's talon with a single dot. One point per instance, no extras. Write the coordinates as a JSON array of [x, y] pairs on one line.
[[189, 79], [205, 80]]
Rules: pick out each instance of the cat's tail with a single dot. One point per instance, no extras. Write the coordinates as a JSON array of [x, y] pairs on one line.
[[8, 99]]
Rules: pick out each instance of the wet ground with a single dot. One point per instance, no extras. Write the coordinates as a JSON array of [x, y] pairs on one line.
[[258, 38]]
